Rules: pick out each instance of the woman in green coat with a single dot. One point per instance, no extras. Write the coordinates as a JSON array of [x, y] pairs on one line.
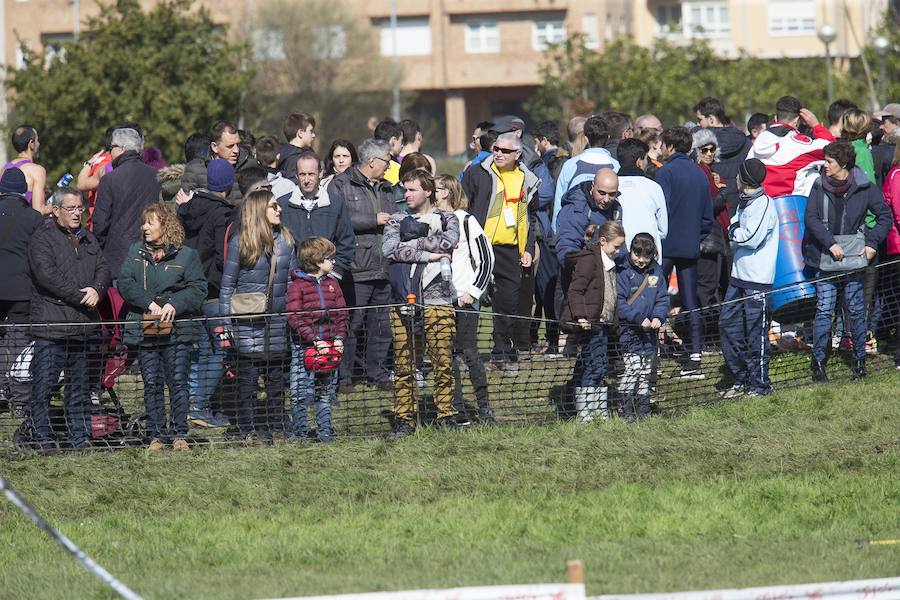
[[161, 279]]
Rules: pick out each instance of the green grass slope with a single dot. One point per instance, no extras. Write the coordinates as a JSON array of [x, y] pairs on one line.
[[764, 491]]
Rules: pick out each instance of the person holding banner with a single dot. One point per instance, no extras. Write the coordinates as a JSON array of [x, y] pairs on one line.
[[837, 242]]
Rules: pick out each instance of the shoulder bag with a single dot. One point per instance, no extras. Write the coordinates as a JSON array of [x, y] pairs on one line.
[[250, 303], [853, 245]]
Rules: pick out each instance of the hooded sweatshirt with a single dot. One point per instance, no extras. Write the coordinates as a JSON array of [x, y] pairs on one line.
[[792, 160], [753, 235]]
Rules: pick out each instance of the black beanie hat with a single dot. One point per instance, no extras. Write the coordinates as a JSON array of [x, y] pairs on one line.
[[752, 172]]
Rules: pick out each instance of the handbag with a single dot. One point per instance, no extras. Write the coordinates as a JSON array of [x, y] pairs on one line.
[[153, 326], [249, 303], [853, 245]]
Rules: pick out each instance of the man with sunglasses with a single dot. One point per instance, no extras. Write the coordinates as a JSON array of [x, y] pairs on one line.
[[503, 196], [70, 276]]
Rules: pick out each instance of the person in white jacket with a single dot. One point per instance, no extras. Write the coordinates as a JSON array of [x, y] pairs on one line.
[[472, 263], [642, 200], [744, 319]]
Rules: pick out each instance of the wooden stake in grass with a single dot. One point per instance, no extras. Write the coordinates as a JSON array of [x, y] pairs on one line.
[[576, 571]]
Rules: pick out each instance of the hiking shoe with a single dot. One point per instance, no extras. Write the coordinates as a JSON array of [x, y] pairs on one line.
[[486, 417], [402, 429], [735, 391], [181, 445], [818, 371], [690, 370], [206, 419], [155, 445], [858, 369], [453, 422]]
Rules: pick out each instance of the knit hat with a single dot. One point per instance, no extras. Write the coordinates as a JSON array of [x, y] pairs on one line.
[[788, 104], [219, 176], [752, 172], [13, 182]]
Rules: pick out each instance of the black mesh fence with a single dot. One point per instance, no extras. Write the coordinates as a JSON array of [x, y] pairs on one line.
[[67, 386]]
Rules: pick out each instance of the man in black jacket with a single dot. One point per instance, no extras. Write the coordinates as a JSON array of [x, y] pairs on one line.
[[70, 276], [17, 222], [122, 196], [369, 201], [205, 216]]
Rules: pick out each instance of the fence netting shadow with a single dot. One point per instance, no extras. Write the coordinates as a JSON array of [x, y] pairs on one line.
[[79, 386]]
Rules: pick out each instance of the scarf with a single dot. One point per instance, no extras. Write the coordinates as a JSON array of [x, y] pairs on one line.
[[748, 197], [836, 187]]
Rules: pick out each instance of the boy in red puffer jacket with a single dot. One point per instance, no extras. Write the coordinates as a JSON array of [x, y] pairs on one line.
[[318, 317]]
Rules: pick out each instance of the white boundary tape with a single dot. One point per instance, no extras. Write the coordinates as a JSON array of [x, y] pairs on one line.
[[85, 560], [549, 591], [868, 589]]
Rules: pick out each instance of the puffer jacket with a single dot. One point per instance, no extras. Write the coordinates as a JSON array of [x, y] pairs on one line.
[[260, 335], [324, 315], [177, 279], [651, 303], [363, 203], [586, 296], [579, 210], [62, 263]]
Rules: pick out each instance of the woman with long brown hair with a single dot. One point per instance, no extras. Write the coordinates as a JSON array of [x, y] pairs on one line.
[[162, 279], [257, 270]]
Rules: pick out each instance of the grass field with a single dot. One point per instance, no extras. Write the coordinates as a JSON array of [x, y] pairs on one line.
[[764, 491]]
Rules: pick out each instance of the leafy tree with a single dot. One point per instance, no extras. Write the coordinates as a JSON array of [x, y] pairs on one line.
[[171, 70], [668, 79], [317, 57]]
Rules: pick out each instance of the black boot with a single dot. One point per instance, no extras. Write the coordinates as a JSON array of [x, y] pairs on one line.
[[858, 368], [643, 406], [818, 371]]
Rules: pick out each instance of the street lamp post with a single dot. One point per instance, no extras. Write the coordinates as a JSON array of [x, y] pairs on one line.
[[882, 45], [827, 34]]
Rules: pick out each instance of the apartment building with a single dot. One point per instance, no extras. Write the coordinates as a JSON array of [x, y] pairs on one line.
[[470, 59]]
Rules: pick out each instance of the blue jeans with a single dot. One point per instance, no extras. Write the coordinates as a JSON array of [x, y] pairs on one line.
[[308, 387], [590, 366], [163, 366], [826, 300], [208, 363], [744, 328], [686, 272], [51, 357]]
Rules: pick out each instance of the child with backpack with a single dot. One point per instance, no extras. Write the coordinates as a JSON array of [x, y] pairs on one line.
[[642, 303], [590, 310], [318, 317]]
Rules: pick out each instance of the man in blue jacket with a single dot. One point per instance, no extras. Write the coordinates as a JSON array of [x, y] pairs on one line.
[[690, 210]]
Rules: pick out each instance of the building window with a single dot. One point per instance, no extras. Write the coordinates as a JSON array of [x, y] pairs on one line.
[[23, 48], [545, 33], [329, 41], [707, 18], [268, 44], [413, 37], [54, 47], [482, 36], [668, 19], [792, 17], [590, 31]]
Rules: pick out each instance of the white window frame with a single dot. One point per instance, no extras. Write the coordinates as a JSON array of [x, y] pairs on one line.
[[792, 18], [547, 31], [329, 42], [268, 44], [482, 36], [673, 9], [409, 29], [590, 28], [704, 28]]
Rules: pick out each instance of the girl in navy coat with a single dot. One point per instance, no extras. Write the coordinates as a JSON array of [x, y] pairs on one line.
[[642, 303]]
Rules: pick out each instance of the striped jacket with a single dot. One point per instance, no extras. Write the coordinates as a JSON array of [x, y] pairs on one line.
[[473, 258]]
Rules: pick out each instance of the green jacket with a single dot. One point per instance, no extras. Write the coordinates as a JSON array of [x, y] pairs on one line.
[[177, 279]]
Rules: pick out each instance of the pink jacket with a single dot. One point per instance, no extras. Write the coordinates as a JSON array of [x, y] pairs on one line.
[[891, 191]]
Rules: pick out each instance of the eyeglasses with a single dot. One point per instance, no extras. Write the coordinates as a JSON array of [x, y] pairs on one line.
[[73, 209], [274, 206], [504, 150], [387, 161], [708, 150], [612, 195]]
